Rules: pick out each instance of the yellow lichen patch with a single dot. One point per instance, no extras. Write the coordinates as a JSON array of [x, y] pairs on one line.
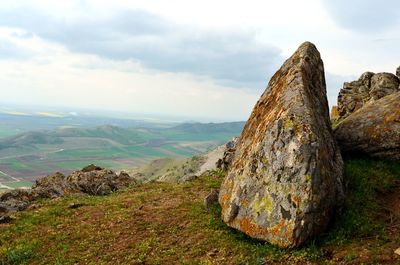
[[263, 204], [307, 178], [288, 124]]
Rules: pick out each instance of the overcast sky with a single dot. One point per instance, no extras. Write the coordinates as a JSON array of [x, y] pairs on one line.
[[202, 59]]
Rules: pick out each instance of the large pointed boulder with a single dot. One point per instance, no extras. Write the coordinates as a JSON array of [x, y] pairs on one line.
[[285, 180], [373, 130]]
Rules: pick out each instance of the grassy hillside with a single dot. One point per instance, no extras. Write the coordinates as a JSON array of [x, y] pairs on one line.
[[16, 122], [165, 223], [29, 155]]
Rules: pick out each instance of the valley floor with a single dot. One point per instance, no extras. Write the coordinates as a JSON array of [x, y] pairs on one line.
[[166, 223]]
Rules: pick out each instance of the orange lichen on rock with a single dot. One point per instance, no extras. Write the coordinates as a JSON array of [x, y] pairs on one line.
[[285, 152]]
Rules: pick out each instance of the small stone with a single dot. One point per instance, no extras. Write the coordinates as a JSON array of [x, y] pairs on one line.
[[213, 253], [33, 206], [397, 251], [211, 198], [5, 219], [75, 205]]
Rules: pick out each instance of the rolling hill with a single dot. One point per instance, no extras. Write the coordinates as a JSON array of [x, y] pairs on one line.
[[28, 155]]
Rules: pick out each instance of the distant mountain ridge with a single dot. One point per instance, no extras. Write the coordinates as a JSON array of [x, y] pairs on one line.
[[118, 134], [211, 127]]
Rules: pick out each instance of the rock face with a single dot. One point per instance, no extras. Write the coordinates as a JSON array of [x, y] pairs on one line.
[[398, 72], [91, 180], [368, 87], [374, 129], [286, 177]]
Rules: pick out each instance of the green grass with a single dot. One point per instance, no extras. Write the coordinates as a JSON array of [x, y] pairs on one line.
[[166, 223], [367, 179], [19, 254]]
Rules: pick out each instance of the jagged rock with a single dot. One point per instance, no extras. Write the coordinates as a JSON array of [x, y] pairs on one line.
[[98, 182], [52, 186], [211, 198], [17, 200], [225, 162], [374, 129], [398, 72], [367, 88], [383, 84], [286, 177], [92, 180]]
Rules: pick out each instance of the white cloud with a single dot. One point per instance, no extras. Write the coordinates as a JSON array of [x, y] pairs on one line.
[[185, 57], [61, 78]]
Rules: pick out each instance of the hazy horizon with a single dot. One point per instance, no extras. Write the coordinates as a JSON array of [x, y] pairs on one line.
[[203, 61]]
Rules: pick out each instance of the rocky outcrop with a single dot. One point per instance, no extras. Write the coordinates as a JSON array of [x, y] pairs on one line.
[[91, 180], [383, 84], [373, 130], [398, 72], [98, 181], [225, 162], [368, 87], [17, 200], [286, 177]]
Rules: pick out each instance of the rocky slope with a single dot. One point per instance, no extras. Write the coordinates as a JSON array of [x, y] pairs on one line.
[[91, 180]]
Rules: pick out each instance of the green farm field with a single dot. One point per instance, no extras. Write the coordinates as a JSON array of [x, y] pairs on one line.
[[30, 155]]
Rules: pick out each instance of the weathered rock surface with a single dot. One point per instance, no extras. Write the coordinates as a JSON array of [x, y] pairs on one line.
[[398, 72], [98, 181], [373, 130], [368, 87], [92, 180], [17, 200], [286, 177]]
